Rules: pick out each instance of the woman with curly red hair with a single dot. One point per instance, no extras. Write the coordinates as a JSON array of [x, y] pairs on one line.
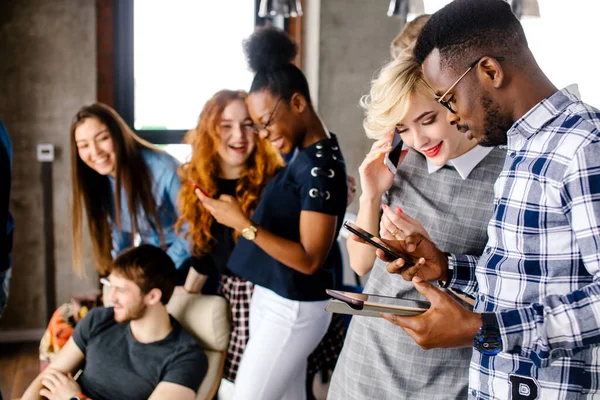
[[287, 248], [228, 158]]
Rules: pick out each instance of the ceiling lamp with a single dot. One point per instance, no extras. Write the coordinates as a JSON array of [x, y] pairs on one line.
[[524, 8], [401, 8], [286, 8]]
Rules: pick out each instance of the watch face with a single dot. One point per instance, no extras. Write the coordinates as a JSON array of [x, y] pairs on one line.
[[248, 234], [488, 345], [491, 347]]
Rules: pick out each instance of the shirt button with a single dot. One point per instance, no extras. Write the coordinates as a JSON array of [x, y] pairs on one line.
[[488, 250], [482, 297], [513, 154], [473, 393]]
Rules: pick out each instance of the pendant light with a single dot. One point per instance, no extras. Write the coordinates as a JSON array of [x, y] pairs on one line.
[[401, 8], [286, 8], [524, 8]]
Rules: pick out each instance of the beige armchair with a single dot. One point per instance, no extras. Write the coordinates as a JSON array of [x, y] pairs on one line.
[[208, 319]]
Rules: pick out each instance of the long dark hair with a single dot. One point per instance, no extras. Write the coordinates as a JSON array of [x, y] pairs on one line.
[[93, 190], [270, 52]]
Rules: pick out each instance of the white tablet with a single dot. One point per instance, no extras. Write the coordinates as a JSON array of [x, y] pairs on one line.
[[370, 304]]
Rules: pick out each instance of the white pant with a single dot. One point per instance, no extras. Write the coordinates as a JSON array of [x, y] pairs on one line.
[[226, 390], [283, 333]]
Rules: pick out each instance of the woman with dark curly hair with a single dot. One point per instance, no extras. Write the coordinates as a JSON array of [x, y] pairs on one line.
[[227, 159], [286, 245]]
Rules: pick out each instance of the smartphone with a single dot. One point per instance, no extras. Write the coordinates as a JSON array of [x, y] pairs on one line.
[[376, 242], [392, 158], [358, 300], [191, 181]]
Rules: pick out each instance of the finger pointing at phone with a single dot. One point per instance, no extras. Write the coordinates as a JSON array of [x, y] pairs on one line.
[[225, 210], [396, 224]]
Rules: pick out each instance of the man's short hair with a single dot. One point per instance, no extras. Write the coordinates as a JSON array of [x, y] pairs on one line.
[[465, 30], [148, 267]]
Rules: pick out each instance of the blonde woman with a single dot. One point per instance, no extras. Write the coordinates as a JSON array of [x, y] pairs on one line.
[[443, 189]]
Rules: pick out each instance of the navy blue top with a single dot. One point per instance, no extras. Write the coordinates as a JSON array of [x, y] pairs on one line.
[[6, 220], [313, 180]]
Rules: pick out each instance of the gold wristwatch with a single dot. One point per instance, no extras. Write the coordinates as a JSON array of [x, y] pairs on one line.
[[249, 233]]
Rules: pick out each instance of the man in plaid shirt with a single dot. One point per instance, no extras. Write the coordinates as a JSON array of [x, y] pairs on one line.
[[536, 325]]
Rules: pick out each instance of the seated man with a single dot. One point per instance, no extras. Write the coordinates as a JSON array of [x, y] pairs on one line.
[[134, 350]]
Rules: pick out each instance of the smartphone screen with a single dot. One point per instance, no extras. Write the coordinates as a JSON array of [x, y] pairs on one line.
[[357, 300], [376, 242], [392, 158]]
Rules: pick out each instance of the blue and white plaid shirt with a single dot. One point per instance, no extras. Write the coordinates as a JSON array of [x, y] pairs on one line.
[[540, 271]]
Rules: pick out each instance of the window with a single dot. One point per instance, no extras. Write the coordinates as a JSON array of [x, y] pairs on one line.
[[562, 42], [184, 52], [171, 57]]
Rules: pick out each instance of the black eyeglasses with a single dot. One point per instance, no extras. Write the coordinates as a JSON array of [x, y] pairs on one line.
[[270, 120], [446, 103]]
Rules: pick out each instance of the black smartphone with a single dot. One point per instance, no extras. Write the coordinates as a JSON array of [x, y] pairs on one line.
[[376, 242], [358, 300], [392, 158]]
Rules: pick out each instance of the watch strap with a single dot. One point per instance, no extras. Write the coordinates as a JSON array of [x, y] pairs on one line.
[[450, 272]]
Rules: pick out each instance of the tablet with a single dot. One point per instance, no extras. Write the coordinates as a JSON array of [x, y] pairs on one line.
[[370, 305]]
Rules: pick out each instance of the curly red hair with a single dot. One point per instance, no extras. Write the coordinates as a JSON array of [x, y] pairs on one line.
[[203, 168]]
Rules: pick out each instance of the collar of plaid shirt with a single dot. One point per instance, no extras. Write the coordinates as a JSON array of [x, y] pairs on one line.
[[540, 271]]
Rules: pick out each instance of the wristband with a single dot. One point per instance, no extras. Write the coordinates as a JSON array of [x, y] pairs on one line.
[[450, 272]]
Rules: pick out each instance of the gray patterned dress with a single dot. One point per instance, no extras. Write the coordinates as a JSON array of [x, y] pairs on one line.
[[380, 361]]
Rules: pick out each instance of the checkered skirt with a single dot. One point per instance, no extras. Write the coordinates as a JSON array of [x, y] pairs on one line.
[[238, 293]]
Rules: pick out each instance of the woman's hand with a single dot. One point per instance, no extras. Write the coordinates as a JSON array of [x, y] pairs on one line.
[[194, 282], [396, 225], [351, 190], [375, 177], [226, 211]]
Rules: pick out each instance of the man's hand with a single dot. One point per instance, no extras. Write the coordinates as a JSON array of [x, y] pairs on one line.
[[430, 262], [445, 324], [58, 386]]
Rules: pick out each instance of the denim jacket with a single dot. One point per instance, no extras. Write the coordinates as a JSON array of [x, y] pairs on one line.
[[6, 220], [165, 188]]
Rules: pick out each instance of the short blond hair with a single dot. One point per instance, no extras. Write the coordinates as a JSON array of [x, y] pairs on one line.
[[407, 38], [389, 99]]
